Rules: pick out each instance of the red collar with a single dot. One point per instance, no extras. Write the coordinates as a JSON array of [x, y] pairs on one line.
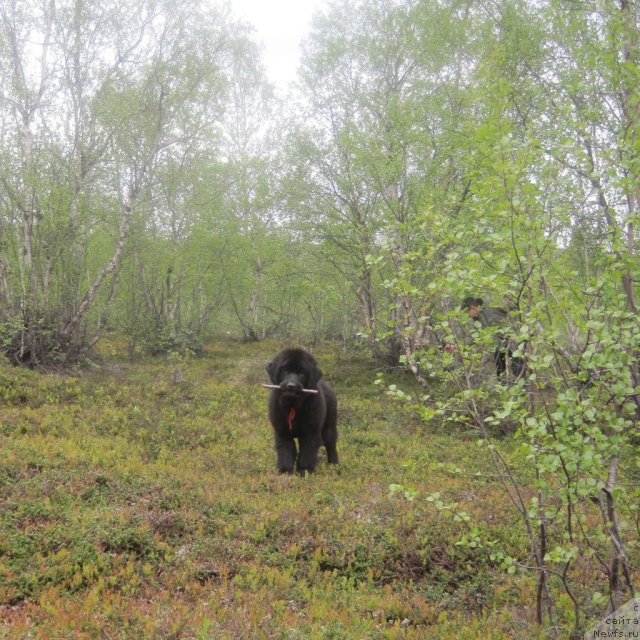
[[291, 417]]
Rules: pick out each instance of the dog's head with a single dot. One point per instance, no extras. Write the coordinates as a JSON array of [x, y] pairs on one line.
[[294, 370]]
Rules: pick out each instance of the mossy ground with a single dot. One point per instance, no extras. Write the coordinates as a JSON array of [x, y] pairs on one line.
[[135, 506]]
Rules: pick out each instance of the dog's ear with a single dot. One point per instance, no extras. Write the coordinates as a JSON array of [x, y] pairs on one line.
[[272, 368], [316, 374]]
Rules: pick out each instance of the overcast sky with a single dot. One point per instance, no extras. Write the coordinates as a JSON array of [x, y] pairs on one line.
[[280, 26]]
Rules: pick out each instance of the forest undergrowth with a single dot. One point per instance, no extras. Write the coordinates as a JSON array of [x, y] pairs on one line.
[[139, 499]]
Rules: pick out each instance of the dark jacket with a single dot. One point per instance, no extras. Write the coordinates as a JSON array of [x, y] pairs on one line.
[[498, 318]]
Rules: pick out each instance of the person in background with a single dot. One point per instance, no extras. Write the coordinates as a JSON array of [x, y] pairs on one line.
[[497, 318]]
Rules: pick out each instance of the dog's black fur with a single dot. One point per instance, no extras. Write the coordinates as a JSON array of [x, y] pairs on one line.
[[311, 418]]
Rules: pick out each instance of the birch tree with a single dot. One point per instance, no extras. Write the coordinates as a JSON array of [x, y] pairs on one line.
[[99, 96]]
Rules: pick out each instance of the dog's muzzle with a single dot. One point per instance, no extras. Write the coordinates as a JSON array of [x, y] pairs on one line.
[[291, 388]]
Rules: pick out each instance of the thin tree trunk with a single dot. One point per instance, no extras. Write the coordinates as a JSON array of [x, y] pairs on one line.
[[114, 263]]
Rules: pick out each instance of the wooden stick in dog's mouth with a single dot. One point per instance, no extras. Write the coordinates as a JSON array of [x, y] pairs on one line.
[[276, 386]]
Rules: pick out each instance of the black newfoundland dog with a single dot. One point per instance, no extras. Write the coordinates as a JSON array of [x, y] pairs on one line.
[[294, 413]]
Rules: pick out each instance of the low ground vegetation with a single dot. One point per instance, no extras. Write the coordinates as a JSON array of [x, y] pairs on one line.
[[139, 503]]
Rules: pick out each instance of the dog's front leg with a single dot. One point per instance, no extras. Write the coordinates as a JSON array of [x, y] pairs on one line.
[[286, 452], [308, 458]]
